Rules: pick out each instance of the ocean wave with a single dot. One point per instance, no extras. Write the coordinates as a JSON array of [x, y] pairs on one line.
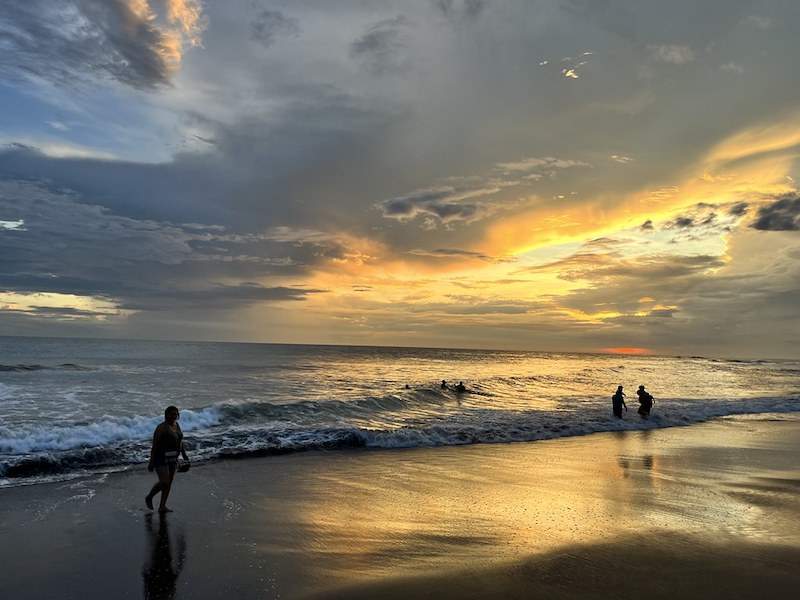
[[28, 439], [40, 452], [20, 368]]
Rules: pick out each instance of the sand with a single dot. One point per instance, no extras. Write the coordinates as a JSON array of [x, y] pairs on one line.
[[706, 511]]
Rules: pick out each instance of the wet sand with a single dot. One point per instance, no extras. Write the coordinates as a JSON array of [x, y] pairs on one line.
[[707, 511]]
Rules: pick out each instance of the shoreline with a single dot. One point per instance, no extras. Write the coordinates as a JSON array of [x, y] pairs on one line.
[[354, 439], [457, 519]]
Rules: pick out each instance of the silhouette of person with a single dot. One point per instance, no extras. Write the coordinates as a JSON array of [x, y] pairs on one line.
[[444, 384], [460, 387], [159, 574], [645, 402], [618, 401], [167, 445]]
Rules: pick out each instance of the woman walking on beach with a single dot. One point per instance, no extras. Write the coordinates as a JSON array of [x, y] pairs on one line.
[[167, 445]]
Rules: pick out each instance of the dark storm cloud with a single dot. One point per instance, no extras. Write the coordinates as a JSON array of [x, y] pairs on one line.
[[222, 297], [247, 179], [70, 247], [380, 48], [781, 215], [74, 39], [269, 25]]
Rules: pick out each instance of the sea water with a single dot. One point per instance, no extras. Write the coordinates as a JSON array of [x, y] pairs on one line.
[[71, 406]]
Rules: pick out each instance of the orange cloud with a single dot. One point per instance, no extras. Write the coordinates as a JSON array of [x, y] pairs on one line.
[[182, 24], [752, 163]]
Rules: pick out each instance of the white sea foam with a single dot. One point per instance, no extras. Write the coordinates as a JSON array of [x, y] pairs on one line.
[[309, 425], [105, 431]]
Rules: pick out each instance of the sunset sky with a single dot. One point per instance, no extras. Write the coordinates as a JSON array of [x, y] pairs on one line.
[[582, 175]]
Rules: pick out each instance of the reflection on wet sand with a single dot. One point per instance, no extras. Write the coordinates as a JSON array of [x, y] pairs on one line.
[[159, 573]]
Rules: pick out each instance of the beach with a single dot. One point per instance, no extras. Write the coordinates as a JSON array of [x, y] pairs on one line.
[[709, 510]]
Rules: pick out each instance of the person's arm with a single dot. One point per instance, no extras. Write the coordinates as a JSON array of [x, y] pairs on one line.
[[183, 449], [153, 449]]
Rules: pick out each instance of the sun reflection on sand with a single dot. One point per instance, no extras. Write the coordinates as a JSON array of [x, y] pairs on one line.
[[389, 514]]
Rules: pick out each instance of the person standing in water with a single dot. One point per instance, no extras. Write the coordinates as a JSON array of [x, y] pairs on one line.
[[618, 401], [167, 445], [645, 402]]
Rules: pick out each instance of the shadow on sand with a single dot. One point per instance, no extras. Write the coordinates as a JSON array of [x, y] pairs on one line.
[[161, 570]]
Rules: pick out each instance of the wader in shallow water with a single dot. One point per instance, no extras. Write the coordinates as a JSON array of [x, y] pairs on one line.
[[617, 402], [645, 402]]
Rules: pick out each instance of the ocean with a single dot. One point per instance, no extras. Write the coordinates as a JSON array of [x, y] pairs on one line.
[[69, 407]]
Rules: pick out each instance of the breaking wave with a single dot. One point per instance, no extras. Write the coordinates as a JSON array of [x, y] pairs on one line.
[[430, 417]]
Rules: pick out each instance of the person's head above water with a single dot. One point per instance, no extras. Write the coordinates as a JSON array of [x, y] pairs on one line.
[[171, 414]]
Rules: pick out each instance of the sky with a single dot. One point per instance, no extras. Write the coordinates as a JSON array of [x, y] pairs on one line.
[[566, 175]]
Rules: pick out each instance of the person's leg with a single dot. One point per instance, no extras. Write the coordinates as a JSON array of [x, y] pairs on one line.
[[165, 475], [148, 500]]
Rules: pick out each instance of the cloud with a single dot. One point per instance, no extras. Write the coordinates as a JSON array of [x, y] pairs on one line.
[[732, 67], [600, 267], [448, 253], [19, 225], [69, 247], [469, 9], [125, 40], [759, 22], [380, 48], [446, 204], [681, 223], [780, 215], [475, 197], [220, 297], [738, 209], [621, 158], [58, 125], [56, 149], [269, 25], [647, 225], [548, 162], [672, 53]]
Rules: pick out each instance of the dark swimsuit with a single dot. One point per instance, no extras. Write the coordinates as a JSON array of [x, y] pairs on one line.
[[645, 403], [616, 403], [167, 446]]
